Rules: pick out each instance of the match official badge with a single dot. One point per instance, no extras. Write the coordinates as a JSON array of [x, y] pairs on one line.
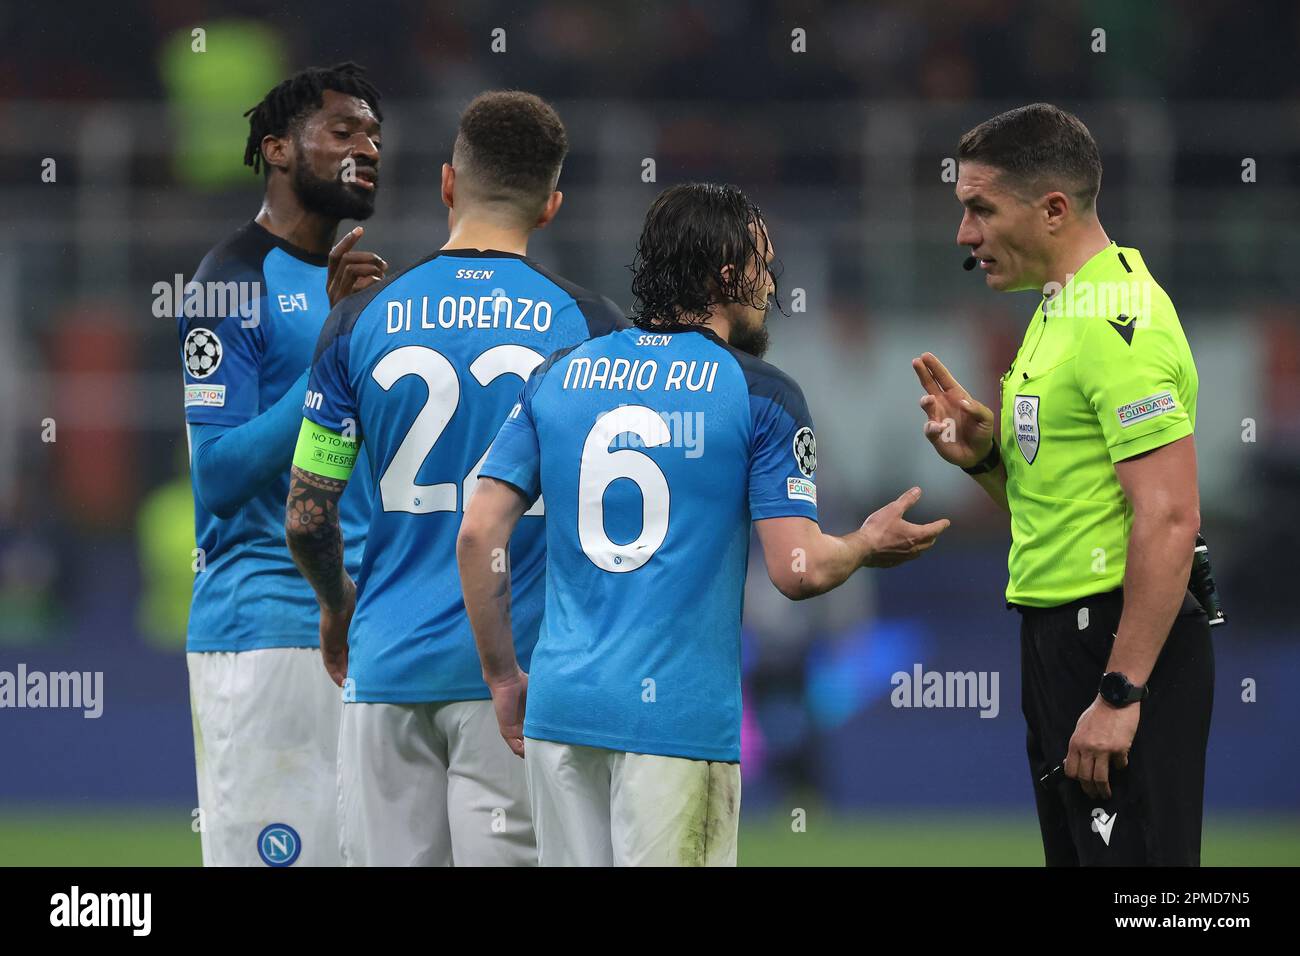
[[1025, 420], [279, 845], [805, 451], [202, 350]]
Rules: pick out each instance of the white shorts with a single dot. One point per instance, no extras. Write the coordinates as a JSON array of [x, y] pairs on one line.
[[594, 807], [266, 726], [431, 785]]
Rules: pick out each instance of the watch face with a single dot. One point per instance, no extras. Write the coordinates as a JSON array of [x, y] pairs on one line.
[[1114, 689]]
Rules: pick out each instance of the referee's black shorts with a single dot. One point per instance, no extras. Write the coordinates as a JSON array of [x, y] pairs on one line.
[[1153, 816]]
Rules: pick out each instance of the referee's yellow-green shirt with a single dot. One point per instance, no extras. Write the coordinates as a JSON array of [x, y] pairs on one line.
[[1104, 373]]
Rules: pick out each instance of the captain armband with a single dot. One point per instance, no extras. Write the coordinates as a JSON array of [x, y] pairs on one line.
[[322, 451]]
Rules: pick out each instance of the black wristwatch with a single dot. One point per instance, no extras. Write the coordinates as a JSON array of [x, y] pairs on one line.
[[988, 463], [1118, 691]]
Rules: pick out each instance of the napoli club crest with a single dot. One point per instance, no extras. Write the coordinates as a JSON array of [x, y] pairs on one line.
[[1025, 421], [279, 845]]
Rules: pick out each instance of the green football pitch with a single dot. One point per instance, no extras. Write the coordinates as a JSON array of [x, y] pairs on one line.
[[162, 837]]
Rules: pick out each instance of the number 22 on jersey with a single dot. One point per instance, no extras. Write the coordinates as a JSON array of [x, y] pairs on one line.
[[398, 489]]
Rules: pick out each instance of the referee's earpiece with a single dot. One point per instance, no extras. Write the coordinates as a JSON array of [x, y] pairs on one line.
[[969, 264]]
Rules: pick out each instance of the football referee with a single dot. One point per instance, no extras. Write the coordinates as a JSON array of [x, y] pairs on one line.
[[1097, 467]]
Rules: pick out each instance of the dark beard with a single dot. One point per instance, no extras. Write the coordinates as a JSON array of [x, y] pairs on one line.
[[331, 198], [750, 339]]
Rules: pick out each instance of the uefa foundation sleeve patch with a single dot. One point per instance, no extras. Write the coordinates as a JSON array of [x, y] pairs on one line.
[[213, 396], [1151, 407], [801, 489]]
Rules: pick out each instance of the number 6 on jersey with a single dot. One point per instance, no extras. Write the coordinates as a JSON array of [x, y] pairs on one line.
[[600, 468]]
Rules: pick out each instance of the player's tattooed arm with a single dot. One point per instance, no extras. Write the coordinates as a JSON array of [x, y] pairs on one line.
[[311, 528]]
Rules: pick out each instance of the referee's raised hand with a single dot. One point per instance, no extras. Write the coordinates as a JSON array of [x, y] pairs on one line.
[[959, 427]]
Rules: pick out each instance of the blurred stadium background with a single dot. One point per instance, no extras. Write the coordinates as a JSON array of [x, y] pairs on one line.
[[843, 146]]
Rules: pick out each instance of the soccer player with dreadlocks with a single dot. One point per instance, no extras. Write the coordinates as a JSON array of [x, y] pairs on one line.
[[265, 713], [629, 721]]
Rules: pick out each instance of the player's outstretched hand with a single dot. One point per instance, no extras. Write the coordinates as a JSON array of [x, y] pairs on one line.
[[959, 427], [509, 698], [893, 539], [334, 633], [352, 270]]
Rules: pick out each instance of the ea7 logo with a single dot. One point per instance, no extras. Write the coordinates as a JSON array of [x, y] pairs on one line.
[[293, 301]]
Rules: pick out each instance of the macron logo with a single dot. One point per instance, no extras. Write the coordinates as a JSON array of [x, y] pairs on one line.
[[102, 909], [1103, 823]]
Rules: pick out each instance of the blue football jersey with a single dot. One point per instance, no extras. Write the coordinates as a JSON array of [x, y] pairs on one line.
[[653, 453], [423, 368], [247, 333]]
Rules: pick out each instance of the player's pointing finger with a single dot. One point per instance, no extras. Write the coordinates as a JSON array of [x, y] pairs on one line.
[[344, 245]]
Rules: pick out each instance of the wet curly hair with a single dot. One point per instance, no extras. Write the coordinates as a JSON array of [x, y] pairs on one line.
[[692, 232]]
